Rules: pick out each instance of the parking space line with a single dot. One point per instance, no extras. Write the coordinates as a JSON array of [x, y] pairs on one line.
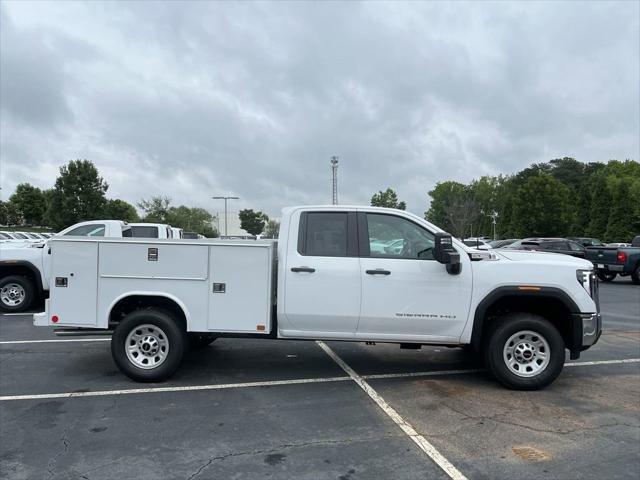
[[435, 373], [602, 362], [24, 314], [406, 427], [269, 383], [189, 388], [61, 340]]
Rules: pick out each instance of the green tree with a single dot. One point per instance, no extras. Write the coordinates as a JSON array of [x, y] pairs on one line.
[[116, 209], [453, 208], [9, 214], [30, 202], [196, 220], [156, 209], [541, 207], [388, 199], [78, 195], [620, 226], [272, 229], [252, 222], [600, 207]]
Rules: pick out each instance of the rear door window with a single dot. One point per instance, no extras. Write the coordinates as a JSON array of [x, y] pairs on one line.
[[144, 231], [325, 234]]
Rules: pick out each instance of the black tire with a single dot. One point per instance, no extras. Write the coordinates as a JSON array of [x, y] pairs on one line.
[[16, 285], [200, 340], [174, 338], [635, 276], [507, 327], [607, 277]]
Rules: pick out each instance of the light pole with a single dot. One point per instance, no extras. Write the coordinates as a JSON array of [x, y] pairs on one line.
[[225, 209], [334, 180]]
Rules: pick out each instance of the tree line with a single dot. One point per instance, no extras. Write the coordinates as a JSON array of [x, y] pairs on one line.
[[79, 194], [559, 198], [562, 197]]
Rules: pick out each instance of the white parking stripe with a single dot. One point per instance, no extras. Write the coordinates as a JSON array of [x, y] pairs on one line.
[[602, 362], [435, 373], [61, 340], [24, 314], [418, 439], [189, 388]]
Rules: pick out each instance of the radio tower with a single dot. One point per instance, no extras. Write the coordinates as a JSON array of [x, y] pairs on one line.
[[334, 173]]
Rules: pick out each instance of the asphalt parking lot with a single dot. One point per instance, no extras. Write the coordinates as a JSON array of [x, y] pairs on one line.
[[288, 409]]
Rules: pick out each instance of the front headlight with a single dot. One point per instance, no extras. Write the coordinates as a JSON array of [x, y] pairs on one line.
[[588, 280]]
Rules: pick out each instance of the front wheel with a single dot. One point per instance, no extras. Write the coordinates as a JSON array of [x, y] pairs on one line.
[[606, 277], [525, 351], [148, 345], [17, 293]]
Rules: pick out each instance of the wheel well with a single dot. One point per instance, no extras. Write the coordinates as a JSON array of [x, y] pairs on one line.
[[551, 308], [132, 303], [23, 271]]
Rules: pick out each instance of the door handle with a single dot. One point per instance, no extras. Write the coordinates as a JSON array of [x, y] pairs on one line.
[[303, 269], [378, 271]]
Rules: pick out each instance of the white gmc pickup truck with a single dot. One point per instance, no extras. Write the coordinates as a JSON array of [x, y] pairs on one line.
[[336, 273]]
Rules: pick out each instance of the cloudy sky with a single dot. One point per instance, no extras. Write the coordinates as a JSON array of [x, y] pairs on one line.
[[197, 99]]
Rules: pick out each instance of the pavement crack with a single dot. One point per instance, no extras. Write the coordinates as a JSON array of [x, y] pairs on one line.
[[212, 460], [51, 465]]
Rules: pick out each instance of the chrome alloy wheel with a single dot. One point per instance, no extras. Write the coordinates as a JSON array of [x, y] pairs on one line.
[[526, 353], [12, 294], [147, 346]]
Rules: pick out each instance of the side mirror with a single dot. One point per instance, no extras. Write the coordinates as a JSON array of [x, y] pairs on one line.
[[444, 252]]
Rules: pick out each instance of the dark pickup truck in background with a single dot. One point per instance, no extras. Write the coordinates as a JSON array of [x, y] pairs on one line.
[[612, 261]]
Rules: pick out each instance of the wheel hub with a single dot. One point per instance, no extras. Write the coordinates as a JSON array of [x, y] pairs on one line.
[[12, 294], [147, 346], [526, 353]]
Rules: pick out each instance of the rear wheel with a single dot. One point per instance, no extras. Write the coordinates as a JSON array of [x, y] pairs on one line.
[[16, 293], [148, 345], [525, 351], [635, 276], [606, 277]]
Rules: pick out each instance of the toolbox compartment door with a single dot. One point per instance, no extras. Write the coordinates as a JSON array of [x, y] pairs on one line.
[[74, 283], [240, 294]]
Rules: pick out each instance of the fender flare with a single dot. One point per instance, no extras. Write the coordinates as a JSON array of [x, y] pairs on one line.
[[7, 264], [142, 293], [514, 291]]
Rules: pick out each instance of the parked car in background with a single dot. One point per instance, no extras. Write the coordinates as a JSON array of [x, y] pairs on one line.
[[610, 262], [552, 245], [151, 230], [502, 243], [24, 264], [481, 243], [617, 244], [587, 241]]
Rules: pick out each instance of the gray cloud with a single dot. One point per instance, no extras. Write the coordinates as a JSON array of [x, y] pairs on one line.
[[195, 99]]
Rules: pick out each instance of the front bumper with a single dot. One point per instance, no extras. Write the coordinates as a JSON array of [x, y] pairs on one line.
[[605, 267], [586, 329]]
